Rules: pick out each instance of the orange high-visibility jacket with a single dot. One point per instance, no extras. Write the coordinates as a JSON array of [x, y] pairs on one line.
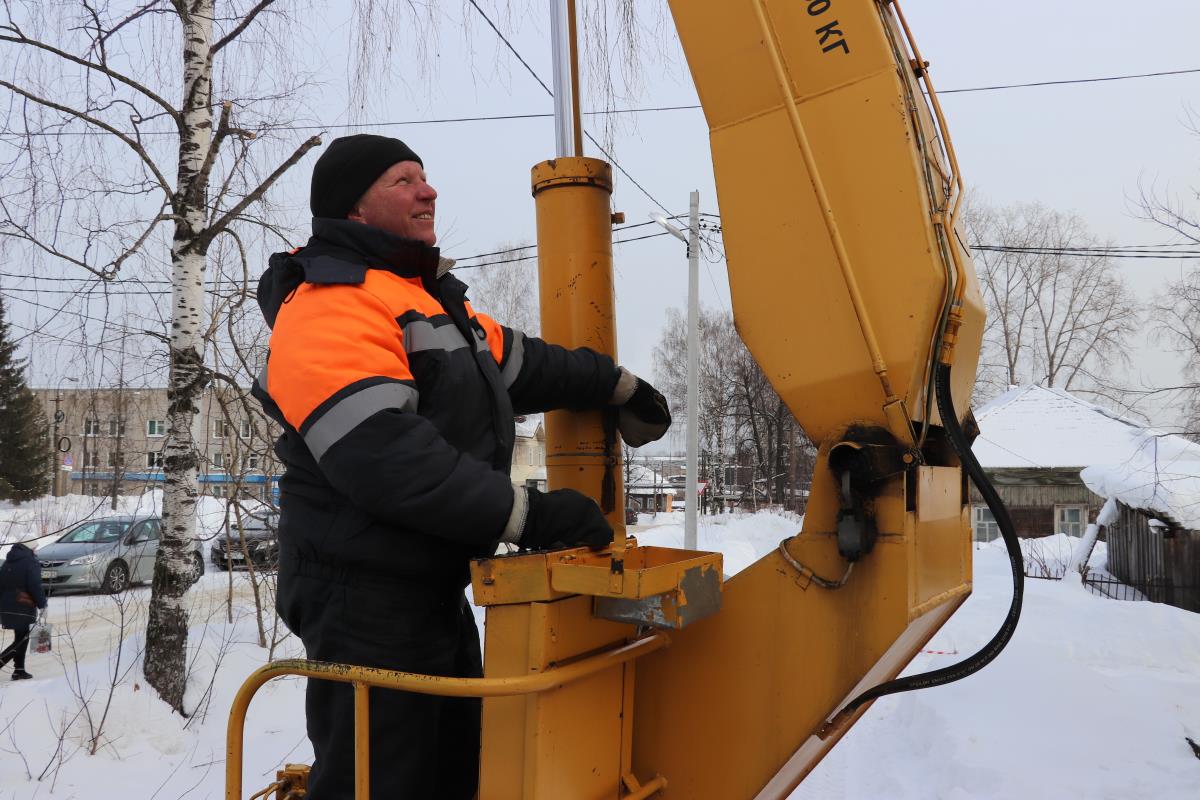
[[397, 400]]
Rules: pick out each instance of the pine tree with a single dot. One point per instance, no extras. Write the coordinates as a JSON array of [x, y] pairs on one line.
[[24, 440]]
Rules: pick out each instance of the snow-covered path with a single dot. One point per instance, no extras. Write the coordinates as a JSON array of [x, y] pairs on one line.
[[89, 623]]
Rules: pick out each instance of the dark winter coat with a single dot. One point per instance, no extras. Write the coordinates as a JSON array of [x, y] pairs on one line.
[[397, 401], [20, 572]]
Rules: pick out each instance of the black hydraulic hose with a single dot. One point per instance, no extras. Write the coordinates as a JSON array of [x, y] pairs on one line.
[[989, 651]]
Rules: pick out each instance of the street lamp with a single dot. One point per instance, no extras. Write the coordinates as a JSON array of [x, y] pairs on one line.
[[693, 360]]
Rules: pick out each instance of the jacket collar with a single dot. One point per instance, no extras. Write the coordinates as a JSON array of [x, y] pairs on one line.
[[341, 251]]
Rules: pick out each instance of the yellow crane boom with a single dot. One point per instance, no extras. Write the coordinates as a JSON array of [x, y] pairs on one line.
[[853, 288]]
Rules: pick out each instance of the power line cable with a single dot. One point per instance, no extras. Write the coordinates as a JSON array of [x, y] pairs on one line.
[[586, 132], [604, 112], [1070, 81], [149, 292], [238, 281]]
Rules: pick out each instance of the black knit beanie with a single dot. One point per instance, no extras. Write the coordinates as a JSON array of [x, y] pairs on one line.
[[347, 169]]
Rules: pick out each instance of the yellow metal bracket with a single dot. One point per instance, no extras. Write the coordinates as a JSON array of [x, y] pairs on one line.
[[364, 678], [662, 587]]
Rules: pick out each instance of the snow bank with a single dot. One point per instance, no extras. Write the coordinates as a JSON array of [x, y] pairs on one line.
[[1092, 699], [1053, 556], [742, 538]]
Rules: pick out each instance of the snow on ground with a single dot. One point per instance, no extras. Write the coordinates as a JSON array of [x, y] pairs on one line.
[[1092, 699]]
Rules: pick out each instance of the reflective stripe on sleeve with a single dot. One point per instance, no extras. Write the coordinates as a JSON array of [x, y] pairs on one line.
[[422, 335], [352, 411], [516, 357]]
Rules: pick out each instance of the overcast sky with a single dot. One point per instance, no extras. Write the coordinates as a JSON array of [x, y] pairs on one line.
[[1081, 148]]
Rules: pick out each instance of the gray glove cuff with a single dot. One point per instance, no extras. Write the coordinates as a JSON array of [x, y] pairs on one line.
[[626, 386], [516, 518]]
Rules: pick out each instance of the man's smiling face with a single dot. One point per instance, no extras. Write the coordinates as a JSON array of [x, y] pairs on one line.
[[401, 202]]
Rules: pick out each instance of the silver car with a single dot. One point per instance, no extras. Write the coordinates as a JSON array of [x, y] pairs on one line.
[[107, 554]]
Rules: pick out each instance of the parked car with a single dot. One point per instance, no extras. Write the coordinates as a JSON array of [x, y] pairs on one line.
[[262, 544], [631, 515], [108, 554]]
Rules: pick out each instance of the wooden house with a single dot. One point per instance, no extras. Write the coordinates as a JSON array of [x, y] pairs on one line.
[[1154, 536], [1033, 444]]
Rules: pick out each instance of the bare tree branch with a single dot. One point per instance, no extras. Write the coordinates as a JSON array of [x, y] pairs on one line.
[[133, 145], [241, 26], [20, 38], [256, 194]]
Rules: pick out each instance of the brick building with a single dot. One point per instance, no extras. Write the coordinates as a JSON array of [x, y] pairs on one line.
[[110, 441]]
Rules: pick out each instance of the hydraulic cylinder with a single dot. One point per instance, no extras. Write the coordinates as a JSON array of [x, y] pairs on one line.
[[574, 225]]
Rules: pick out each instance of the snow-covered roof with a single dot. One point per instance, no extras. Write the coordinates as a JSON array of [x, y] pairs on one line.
[[528, 426], [1032, 426], [641, 476], [1162, 476]]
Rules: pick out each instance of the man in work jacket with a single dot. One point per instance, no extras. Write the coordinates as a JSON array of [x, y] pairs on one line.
[[396, 401]]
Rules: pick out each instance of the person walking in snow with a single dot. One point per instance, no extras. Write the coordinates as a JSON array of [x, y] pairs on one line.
[[397, 402], [21, 597]]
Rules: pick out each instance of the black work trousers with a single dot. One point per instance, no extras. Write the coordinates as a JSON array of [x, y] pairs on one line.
[[16, 651], [422, 747]]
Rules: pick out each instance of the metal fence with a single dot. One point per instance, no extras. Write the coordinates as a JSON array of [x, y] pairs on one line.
[[1158, 590]]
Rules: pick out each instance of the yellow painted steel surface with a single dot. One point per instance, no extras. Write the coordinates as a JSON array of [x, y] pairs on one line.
[[873, 142], [552, 575], [737, 695], [574, 235], [811, 99], [573, 743]]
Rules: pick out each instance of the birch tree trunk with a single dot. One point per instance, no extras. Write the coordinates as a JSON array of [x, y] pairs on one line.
[[167, 623]]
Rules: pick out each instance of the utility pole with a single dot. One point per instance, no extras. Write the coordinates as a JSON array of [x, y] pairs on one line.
[[693, 374], [691, 485]]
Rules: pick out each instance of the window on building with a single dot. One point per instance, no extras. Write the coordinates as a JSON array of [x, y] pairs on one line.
[[92, 489], [220, 428], [115, 459], [92, 459], [218, 461], [116, 426], [984, 524], [217, 490], [1071, 520], [245, 429], [252, 461], [91, 426], [156, 427], [154, 459]]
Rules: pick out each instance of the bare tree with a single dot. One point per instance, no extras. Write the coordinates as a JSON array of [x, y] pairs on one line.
[[742, 420], [1059, 315], [91, 88], [504, 285], [1176, 310]]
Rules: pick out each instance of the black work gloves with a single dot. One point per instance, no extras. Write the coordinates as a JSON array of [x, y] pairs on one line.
[[644, 415], [563, 518]]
